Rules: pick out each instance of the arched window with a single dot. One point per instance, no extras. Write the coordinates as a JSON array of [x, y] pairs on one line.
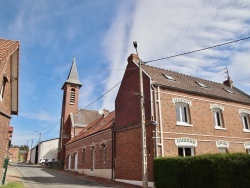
[[218, 116], [103, 153], [245, 116], [72, 96], [182, 111], [92, 149], [83, 156]]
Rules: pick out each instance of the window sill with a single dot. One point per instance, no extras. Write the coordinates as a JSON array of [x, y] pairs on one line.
[[220, 128], [184, 124], [246, 130]]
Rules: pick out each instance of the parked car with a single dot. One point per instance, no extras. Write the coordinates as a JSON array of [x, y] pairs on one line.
[[43, 160], [49, 162]]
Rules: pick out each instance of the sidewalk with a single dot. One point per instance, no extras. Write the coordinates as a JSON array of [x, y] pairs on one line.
[[99, 180], [12, 175]]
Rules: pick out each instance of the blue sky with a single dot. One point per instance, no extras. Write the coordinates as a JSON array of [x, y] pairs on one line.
[[100, 34]]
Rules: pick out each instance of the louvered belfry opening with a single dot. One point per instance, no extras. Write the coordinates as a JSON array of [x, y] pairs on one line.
[[72, 96]]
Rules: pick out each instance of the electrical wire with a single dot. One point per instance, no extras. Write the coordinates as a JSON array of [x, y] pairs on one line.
[[190, 52]]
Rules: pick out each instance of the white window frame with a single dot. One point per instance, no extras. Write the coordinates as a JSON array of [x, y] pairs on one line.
[[218, 110], [180, 104], [184, 154], [245, 114]]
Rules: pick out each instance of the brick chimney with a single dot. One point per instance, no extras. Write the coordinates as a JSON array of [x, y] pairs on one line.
[[134, 58], [228, 82]]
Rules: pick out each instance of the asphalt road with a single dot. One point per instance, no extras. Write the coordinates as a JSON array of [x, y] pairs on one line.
[[38, 177]]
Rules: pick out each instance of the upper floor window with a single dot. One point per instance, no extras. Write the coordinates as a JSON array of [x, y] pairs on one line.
[[245, 116], [5, 80], [182, 111], [72, 96], [218, 116]]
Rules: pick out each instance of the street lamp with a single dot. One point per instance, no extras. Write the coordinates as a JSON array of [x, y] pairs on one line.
[[143, 128]]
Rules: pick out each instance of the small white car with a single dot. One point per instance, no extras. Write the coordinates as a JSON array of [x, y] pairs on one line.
[[43, 160]]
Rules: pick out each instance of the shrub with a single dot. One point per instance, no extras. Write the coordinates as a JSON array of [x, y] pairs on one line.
[[214, 170]]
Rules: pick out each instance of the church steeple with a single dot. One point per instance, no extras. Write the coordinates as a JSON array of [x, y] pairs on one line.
[[73, 75], [69, 105]]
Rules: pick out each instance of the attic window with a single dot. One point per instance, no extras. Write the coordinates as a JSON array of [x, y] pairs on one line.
[[229, 91], [169, 77], [201, 84]]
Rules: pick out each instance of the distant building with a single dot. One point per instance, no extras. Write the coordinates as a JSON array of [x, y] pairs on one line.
[[14, 154], [184, 115], [9, 77], [73, 120], [44, 149]]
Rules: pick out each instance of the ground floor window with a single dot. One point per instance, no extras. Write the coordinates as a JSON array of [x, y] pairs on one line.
[[248, 151], [185, 151], [222, 150]]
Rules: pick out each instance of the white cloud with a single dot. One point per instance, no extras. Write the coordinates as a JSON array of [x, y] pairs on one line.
[[164, 28], [41, 116]]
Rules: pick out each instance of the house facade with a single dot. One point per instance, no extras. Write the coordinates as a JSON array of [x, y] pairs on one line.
[[9, 76], [185, 116], [91, 152]]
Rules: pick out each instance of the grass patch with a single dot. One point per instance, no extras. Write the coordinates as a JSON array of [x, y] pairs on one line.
[[14, 185]]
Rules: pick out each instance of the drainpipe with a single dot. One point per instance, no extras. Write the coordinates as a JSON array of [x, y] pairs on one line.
[[156, 120], [113, 151]]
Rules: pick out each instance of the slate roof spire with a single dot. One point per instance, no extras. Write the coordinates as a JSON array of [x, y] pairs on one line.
[[73, 74]]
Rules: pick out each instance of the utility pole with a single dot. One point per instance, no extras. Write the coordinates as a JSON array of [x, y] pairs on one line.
[[40, 137], [143, 128]]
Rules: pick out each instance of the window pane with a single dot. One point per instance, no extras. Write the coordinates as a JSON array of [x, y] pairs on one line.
[[177, 109], [180, 152], [184, 114], [222, 150], [218, 119], [188, 152], [245, 122]]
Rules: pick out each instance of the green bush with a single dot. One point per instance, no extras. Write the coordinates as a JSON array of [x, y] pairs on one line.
[[214, 170]]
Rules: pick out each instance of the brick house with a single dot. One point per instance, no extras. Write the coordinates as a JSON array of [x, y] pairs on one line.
[[184, 115], [91, 151], [73, 120], [9, 76], [14, 154]]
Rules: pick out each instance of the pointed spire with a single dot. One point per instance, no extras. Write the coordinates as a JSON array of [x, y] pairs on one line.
[[73, 75]]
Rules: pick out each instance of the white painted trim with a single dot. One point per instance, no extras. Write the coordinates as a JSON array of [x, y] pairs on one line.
[[247, 145], [244, 111], [246, 130], [69, 163], [76, 161], [185, 142], [213, 106], [205, 135], [134, 182], [222, 144], [219, 128], [180, 123], [181, 100]]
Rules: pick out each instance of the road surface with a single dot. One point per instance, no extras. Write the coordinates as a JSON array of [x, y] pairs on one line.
[[35, 176]]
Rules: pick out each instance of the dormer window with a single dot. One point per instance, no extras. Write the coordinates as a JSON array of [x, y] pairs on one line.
[[72, 96], [229, 91], [201, 84], [169, 77]]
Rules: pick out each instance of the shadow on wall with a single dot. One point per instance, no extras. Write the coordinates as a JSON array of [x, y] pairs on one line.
[[51, 153]]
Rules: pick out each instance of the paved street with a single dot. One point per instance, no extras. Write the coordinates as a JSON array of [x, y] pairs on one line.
[[38, 177]]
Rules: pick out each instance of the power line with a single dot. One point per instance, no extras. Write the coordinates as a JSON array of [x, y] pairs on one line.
[[198, 50]]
